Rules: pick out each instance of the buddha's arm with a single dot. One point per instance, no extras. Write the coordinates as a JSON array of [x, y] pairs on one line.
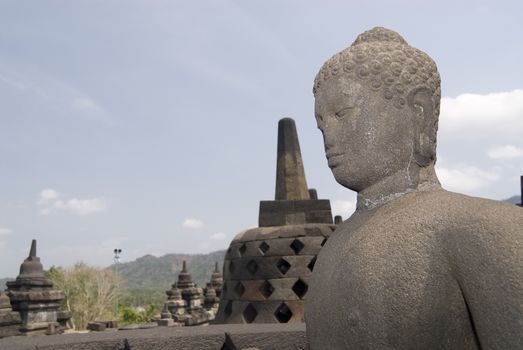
[[489, 267]]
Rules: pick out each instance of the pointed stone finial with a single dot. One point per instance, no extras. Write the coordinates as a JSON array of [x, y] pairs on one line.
[[216, 270], [290, 176], [32, 252], [184, 278], [31, 267], [313, 194]]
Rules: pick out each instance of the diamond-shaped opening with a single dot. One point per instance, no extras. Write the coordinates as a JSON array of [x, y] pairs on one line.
[[232, 267], [283, 265], [252, 267], [228, 309], [297, 246], [300, 288], [311, 264], [266, 289], [242, 249], [323, 242], [264, 247], [250, 313], [283, 313], [239, 289]]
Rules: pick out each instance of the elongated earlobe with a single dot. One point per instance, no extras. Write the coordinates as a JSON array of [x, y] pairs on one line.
[[420, 101]]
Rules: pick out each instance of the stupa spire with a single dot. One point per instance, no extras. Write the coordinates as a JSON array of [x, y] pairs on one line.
[[290, 175], [32, 251]]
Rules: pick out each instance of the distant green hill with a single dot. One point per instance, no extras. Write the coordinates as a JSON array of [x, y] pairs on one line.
[[159, 273], [147, 278]]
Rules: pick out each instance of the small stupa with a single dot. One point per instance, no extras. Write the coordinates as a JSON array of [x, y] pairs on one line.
[[187, 304], [10, 320], [267, 269], [33, 297], [217, 280]]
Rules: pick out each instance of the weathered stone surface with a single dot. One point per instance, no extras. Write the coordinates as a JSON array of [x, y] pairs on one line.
[[266, 337], [295, 212], [217, 337], [217, 280], [96, 326], [189, 305], [264, 233], [33, 297], [270, 267], [266, 269], [415, 267], [166, 322], [10, 320], [290, 176]]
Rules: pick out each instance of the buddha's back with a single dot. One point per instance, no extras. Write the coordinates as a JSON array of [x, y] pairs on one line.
[[430, 270]]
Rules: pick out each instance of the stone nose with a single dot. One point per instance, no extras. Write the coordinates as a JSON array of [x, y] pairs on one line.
[[327, 141]]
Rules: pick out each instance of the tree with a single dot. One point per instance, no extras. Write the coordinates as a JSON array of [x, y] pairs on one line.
[[90, 293]]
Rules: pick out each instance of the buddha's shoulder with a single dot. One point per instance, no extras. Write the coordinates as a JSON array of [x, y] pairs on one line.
[[455, 210]]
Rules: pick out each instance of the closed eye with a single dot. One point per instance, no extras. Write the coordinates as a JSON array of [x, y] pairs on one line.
[[344, 112]]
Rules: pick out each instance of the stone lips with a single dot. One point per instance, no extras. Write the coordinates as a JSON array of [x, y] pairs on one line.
[[267, 272]]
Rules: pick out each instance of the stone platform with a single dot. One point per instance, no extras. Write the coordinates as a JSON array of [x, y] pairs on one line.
[[215, 337]]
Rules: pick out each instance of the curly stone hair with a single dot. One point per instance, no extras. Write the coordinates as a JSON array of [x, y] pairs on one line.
[[384, 61]]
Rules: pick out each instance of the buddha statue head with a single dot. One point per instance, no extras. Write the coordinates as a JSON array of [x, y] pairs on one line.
[[377, 105]]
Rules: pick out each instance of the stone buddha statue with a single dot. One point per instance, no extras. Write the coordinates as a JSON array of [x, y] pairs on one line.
[[415, 267]]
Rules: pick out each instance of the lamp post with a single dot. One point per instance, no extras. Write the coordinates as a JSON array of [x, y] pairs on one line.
[[117, 252]]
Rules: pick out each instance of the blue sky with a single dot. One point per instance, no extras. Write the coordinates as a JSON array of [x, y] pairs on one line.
[[151, 125]]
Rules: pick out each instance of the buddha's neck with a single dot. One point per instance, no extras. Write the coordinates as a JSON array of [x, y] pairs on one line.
[[413, 178]]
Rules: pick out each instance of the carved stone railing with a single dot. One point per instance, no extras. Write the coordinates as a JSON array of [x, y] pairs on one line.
[[215, 337]]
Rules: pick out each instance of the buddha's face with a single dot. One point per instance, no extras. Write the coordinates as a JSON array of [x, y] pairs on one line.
[[366, 137]]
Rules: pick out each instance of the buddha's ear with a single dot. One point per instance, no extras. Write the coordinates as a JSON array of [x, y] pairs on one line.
[[421, 102]]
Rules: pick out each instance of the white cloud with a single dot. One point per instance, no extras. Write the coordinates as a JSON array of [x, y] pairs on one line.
[[507, 151], [51, 200], [193, 223], [465, 178], [46, 196], [345, 208], [220, 236], [81, 206], [499, 112], [4, 231]]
